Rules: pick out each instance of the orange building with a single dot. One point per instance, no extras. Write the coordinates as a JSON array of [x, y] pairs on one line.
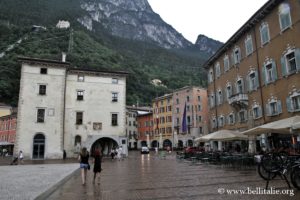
[[254, 78]]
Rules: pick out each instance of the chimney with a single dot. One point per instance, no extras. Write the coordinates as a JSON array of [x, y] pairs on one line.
[[63, 56]]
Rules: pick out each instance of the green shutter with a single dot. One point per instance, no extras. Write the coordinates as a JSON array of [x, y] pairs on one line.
[[283, 66], [274, 68], [256, 80], [268, 109], [264, 75], [289, 104], [297, 56], [279, 107]]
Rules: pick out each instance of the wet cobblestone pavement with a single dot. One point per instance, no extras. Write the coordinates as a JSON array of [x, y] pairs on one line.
[[149, 177]]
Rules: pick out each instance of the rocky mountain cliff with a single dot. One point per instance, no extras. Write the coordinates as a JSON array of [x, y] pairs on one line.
[[207, 45], [132, 19]]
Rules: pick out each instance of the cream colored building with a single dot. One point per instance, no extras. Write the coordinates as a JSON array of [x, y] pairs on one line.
[[64, 108]]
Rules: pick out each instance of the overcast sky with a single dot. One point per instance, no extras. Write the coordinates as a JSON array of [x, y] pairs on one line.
[[217, 19]]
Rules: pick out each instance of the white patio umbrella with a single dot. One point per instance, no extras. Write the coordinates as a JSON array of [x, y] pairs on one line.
[[222, 135], [280, 126]]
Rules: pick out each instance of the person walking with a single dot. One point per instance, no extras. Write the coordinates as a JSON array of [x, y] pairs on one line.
[[84, 163], [97, 164], [21, 157], [119, 153]]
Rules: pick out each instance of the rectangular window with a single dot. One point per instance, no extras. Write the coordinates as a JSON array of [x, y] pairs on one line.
[[239, 87], [41, 115], [237, 56], [273, 108], [226, 63], [43, 71], [114, 119], [114, 80], [80, 78], [264, 33], [252, 80], [269, 74], [114, 97], [256, 112], [80, 94], [177, 101], [231, 119], [284, 17], [199, 98], [79, 118], [296, 102], [42, 89], [242, 116], [291, 62], [249, 46]]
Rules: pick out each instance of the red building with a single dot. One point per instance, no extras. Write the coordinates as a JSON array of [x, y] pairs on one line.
[[145, 128], [8, 126]]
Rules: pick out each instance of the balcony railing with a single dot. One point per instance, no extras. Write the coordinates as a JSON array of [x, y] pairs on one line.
[[238, 100]]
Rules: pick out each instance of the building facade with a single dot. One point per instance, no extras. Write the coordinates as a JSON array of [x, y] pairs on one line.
[[8, 126], [132, 113], [5, 109], [162, 121], [194, 100], [254, 77], [64, 108], [145, 129]]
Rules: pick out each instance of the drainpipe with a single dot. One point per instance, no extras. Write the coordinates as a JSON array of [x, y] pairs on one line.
[[64, 103], [259, 76]]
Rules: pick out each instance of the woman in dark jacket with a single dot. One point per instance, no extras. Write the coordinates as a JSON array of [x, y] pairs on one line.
[[97, 163], [84, 163]]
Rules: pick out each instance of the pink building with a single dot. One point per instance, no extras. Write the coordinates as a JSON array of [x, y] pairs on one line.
[[195, 99], [8, 124]]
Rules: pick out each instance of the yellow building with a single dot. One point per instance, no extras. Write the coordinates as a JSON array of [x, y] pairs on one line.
[[5, 109], [162, 118]]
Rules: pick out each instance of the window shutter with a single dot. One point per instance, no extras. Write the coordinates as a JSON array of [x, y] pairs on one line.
[[256, 80], [264, 73], [232, 58], [297, 56], [268, 109], [246, 115], [283, 66], [274, 68], [243, 86], [225, 95], [279, 107], [247, 84], [233, 116], [289, 104], [259, 111]]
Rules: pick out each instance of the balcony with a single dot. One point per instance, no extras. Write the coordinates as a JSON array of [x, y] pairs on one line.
[[238, 100]]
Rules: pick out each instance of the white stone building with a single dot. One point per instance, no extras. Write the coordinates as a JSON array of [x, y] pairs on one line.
[[63, 24], [64, 108]]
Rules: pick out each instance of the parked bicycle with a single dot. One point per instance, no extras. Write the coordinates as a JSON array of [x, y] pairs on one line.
[[280, 164]]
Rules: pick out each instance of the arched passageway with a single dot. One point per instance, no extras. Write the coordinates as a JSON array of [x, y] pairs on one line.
[[106, 144]]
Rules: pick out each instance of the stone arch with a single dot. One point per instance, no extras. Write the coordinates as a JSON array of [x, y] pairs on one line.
[[106, 144]]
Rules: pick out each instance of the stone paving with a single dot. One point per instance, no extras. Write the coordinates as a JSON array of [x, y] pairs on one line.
[[25, 182], [147, 177]]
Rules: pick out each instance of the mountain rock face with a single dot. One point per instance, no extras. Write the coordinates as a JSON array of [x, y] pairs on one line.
[[207, 45], [131, 19]]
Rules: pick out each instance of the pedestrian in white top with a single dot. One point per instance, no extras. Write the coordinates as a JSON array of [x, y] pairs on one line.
[[119, 153], [21, 157]]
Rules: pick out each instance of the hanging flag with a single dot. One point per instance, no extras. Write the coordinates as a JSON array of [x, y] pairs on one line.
[[184, 126]]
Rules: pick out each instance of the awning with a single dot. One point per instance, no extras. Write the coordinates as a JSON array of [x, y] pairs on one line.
[[5, 143], [223, 135], [281, 126]]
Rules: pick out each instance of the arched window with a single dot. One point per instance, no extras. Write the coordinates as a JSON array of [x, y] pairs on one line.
[[38, 146]]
